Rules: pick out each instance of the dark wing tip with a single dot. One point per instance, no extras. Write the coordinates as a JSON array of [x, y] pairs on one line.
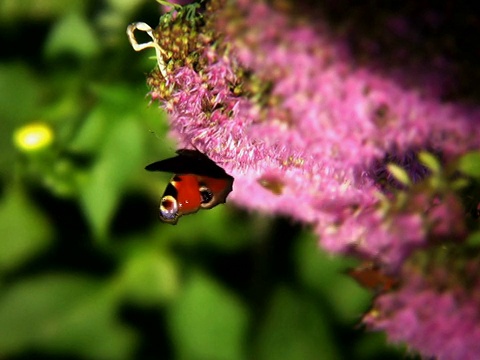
[[154, 166], [189, 162]]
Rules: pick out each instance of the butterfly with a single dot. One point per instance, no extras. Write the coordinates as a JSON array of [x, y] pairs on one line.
[[198, 183]]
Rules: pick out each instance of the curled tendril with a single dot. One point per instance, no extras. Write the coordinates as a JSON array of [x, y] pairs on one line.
[[189, 12], [141, 26]]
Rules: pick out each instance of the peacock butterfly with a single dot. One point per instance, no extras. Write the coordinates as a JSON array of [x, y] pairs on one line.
[[198, 183]]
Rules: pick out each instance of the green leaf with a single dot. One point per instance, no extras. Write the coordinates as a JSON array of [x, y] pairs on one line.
[[62, 314], [208, 322], [73, 34], [375, 345], [150, 276], [430, 161], [295, 328], [473, 240], [325, 275], [92, 132], [125, 6], [459, 184], [470, 164], [19, 103], [25, 230], [118, 160], [20, 91], [114, 105], [12, 11], [399, 174]]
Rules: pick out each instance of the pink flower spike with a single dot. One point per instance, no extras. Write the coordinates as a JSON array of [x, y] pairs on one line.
[[307, 130]]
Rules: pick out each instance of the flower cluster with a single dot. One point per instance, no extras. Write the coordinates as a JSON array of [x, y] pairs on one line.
[[306, 132], [438, 315]]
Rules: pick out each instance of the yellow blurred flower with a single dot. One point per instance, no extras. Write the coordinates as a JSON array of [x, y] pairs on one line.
[[33, 137]]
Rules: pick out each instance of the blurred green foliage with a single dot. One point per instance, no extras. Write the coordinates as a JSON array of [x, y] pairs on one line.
[[86, 269]]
